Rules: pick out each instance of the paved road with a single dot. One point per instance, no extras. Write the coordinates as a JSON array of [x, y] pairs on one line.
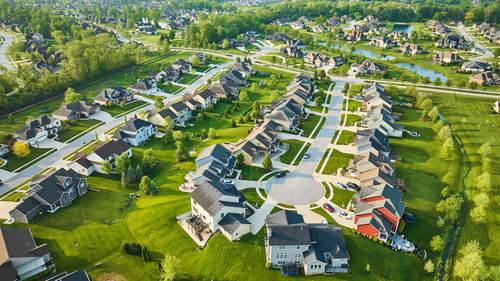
[[3, 50], [487, 53]]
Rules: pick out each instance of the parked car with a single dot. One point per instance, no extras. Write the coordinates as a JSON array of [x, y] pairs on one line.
[[306, 156], [329, 207], [280, 174], [345, 215], [339, 184], [1, 182], [353, 186], [227, 181]]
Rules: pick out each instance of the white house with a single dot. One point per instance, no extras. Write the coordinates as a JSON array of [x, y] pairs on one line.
[[145, 86], [135, 131], [20, 256], [38, 129], [86, 164]]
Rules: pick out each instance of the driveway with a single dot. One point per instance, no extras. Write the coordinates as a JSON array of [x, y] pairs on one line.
[[3, 50], [5, 208]]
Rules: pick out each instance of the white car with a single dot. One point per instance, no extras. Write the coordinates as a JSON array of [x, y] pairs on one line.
[[228, 182], [306, 156], [345, 215]]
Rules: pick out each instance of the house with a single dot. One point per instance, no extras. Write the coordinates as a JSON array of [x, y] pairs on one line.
[[202, 56], [262, 141], [318, 28], [233, 78], [296, 43], [452, 41], [378, 211], [317, 59], [77, 275], [371, 21], [76, 110], [319, 248], [184, 66], [286, 114], [182, 112], [485, 78], [375, 141], [368, 67], [476, 66], [21, 257], [114, 95], [48, 193], [496, 106], [438, 28], [135, 131], [386, 124], [4, 149], [168, 74], [146, 86], [86, 164], [302, 77], [276, 37], [298, 25], [337, 61], [213, 163], [446, 57], [410, 49], [398, 36], [37, 129], [221, 208], [362, 163], [356, 35], [224, 90], [244, 68], [382, 42], [293, 52], [200, 100]]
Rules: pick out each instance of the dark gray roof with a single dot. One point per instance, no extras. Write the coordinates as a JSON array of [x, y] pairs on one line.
[[284, 217], [19, 243], [294, 234], [114, 146], [328, 239], [220, 153], [209, 194], [8, 272], [78, 275], [231, 222], [167, 112], [179, 106], [144, 84], [134, 124]]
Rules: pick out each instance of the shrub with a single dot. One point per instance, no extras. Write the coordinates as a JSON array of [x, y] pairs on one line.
[[132, 248], [402, 225], [268, 265]]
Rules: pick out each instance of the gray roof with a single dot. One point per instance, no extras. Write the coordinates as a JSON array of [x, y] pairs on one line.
[[231, 222], [33, 126], [78, 275], [179, 106], [19, 243], [144, 84], [219, 152], [294, 234], [284, 217], [209, 194], [114, 146]]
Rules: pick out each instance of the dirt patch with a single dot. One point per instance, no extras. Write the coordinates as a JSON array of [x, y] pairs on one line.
[[111, 277]]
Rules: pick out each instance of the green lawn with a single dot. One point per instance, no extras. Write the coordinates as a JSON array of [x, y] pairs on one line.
[[315, 108], [337, 160], [353, 105], [302, 153], [170, 90], [294, 147], [346, 137], [252, 173], [321, 123], [14, 196], [323, 158], [341, 196], [252, 197], [116, 109], [309, 124], [15, 162], [351, 119], [71, 131], [188, 79], [202, 68]]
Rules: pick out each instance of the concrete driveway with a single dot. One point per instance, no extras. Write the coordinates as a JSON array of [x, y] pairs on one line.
[[5, 208]]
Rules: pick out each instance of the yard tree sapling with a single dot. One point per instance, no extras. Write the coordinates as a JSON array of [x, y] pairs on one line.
[[123, 180], [429, 267], [437, 243], [106, 167], [267, 163], [170, 268], [212, 133]]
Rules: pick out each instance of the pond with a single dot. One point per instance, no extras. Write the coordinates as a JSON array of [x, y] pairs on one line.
[[366, 53], [406, 28], [422, 71]]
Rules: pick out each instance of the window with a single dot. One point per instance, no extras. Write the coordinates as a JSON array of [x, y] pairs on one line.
[[311, 266], [281, 247], [222, 215], [298, 247]]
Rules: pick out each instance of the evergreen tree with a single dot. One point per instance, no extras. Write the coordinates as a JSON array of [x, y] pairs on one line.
[[123, 181], [138, 172]]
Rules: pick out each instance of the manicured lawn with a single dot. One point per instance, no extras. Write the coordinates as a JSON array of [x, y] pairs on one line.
[[309, 124], [355, 89], [346, 137], [252, 197], [202, 68], [72, 130], [14, 196], [252, 173], [188, 79], [351, 119], [302, 153], [315, 108], [15, 162], [116, 109], [170, 90], [324, 86], [321, 123], [323, 158], [337, 160], [341, 196], [294, 147], [353, 105]]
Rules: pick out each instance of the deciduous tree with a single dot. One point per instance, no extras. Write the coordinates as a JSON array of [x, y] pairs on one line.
[[267, 163], [21, 149]]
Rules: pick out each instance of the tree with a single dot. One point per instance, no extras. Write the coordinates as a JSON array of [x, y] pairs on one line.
[[106, 167], [447, 150], [138, 172], [225, 44], [433, 113], [123, 180], [444, 133], [450, 207], [485, 150], [243, 96], [437, 81], [71, 96], [426, 105], [470, 264], [367, 268], [267, 163], [483, 181], [170, 267], [346, 87], [182, 152], [437, 243], [212, 133], [169, 137], [168, 123], [159, 102], [152, 188], [148, 161], [429, 267], [195, 61], [145, 184], [131, 177], [122, 104], [240, 158], [12, 120], [21, 149], [274, 96], [479, 213]]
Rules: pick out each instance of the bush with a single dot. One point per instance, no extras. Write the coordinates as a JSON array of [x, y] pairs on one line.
[[132, 248], [402, 225], [268, 265]]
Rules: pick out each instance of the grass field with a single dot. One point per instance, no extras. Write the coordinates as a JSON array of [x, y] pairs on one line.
[[116, 109], [14, 196], [252, 197], [341, 196], [294, 147], [309, 124], [170, 90], [337, 160], [346, 137], [252, 173], [353, 105], [351, 119], [188, 79], [15, 162], [71, 131]]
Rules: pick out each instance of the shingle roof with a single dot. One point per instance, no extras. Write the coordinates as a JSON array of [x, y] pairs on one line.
[[209, 194], [112, 147], [294, 234], [284, 217], [231, 222], [19, 243]]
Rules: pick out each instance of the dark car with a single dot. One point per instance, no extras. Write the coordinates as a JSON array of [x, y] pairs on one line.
[[280, 174], [329, 207], [45, 110], [353, 186], [1, 182]]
